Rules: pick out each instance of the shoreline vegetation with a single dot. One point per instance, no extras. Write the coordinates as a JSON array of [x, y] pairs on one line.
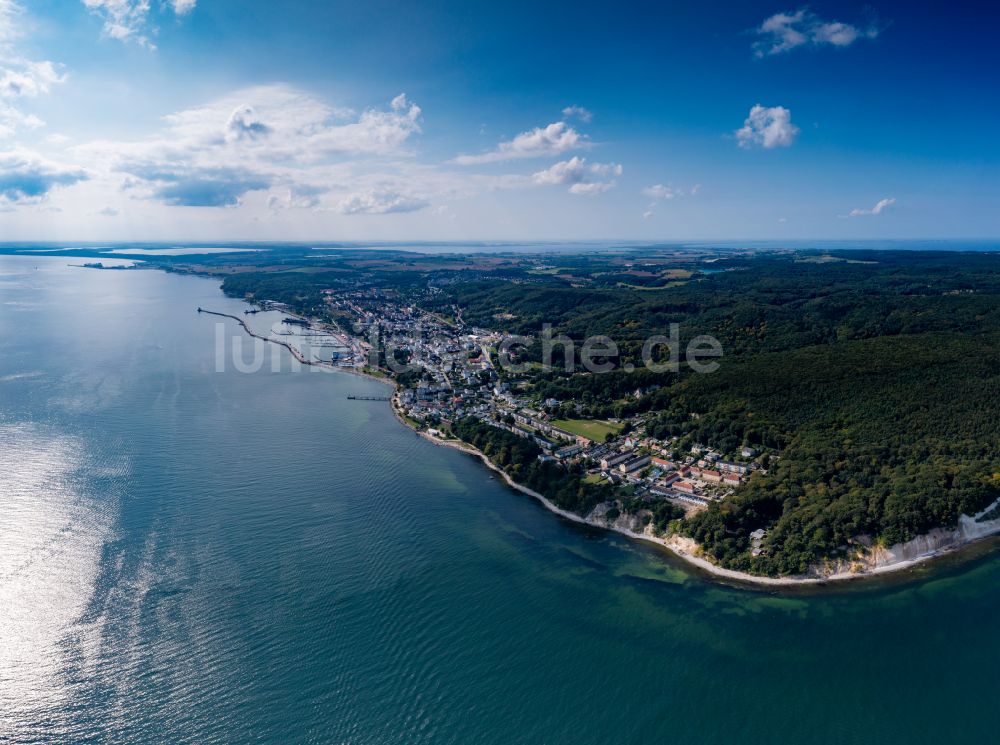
[[876, 561], [896, 558]]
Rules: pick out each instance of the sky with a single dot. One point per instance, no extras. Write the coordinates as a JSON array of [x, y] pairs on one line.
[[222, 120]]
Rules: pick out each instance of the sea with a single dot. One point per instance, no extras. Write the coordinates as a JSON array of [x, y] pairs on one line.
[[202, 548]]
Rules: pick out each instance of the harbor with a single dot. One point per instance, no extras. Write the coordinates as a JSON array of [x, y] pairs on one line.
[[313, 345]]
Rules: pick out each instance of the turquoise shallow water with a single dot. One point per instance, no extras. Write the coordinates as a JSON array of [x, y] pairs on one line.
[[197, 556]]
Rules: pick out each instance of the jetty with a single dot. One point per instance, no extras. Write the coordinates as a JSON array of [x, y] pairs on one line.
[[369, 398], [295, 352], [336, 362]]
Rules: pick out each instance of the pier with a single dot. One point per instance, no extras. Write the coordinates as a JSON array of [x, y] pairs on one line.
[[335, 363], [369, 398], [295, 352]]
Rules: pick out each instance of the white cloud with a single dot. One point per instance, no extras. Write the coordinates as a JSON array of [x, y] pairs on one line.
[[659, 191], [123, 19], [767, 127], [253, 140], [276, 149], [554, 139], [581, 177], [373, 202], [667, 192], [13, 119], [301, 196], [9, 30], [243, 123], [784, 32], [579, 112], [28, 79], [20, 77], [375, 132], [27, 177], [591, 187], [128, 20], [880, 206]]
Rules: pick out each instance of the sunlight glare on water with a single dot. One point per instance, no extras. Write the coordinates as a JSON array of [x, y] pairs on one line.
[[50, 549]]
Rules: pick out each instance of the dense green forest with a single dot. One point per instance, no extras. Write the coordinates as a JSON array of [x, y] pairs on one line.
[[876, 377], [301, 291], [887, 437], [518, 457], [762, 303]]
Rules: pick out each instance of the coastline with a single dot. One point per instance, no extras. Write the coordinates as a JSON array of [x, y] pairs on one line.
[[881, 561], [689, 551]]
